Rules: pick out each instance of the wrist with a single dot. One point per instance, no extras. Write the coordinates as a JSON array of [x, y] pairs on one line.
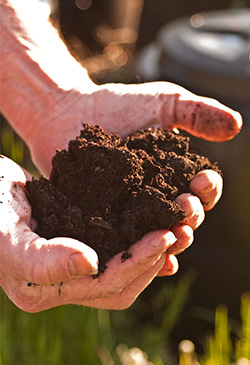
[[37, 71]]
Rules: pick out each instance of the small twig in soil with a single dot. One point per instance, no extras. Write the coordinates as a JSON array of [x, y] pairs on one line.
[[99, 222]]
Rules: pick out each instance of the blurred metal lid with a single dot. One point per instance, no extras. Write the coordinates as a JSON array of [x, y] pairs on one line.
[[208, 53]]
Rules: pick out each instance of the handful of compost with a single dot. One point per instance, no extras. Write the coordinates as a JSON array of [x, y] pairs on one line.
[[109, 192]]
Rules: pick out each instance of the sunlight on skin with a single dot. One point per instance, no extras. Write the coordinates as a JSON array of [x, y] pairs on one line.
[[53, 56]]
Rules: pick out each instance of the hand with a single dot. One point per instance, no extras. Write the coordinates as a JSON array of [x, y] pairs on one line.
[[124, 109], [63, 96], [38, 274]]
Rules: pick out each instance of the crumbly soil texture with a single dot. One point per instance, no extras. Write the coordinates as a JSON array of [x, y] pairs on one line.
[[108, 192]]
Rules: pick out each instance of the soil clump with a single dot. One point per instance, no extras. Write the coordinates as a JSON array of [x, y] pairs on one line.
[[108, 192]]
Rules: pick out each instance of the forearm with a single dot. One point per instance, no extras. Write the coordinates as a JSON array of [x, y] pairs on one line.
[[37, 73]]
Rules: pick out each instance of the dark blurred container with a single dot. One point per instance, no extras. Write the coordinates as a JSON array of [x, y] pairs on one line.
[[207, 53]]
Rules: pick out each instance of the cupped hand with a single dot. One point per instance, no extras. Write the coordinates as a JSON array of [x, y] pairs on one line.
[[38, 274], [124, 109]]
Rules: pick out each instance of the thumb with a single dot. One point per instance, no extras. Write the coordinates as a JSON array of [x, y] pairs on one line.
[[126, 108], [51, 261], [204, 117]]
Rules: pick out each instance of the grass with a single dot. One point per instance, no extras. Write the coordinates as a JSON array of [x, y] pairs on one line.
[[65, 335], [221, 348], [12, 146], [79, 335]]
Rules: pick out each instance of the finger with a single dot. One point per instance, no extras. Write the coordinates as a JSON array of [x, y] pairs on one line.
[[170, 266], [100, 292], [205, 118], [193, 208], [45, 262], [129, 294], [185, 237], [144, 254], [207, 185], [104, 291], [163, 104], [38, 298]]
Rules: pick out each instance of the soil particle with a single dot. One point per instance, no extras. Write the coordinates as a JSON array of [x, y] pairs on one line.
[[109, 192]]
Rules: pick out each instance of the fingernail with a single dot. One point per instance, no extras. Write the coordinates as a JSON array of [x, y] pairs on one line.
[[79, 265], [173, 238], [208, 189], [170, 239], [205, 182]]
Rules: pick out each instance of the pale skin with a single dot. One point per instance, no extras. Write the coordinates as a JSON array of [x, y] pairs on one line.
[[46, 95]]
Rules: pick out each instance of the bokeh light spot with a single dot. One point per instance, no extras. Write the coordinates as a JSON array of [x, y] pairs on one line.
[[83, 4]]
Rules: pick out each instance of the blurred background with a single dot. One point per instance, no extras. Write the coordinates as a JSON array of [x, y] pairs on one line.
[[205, 47]]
